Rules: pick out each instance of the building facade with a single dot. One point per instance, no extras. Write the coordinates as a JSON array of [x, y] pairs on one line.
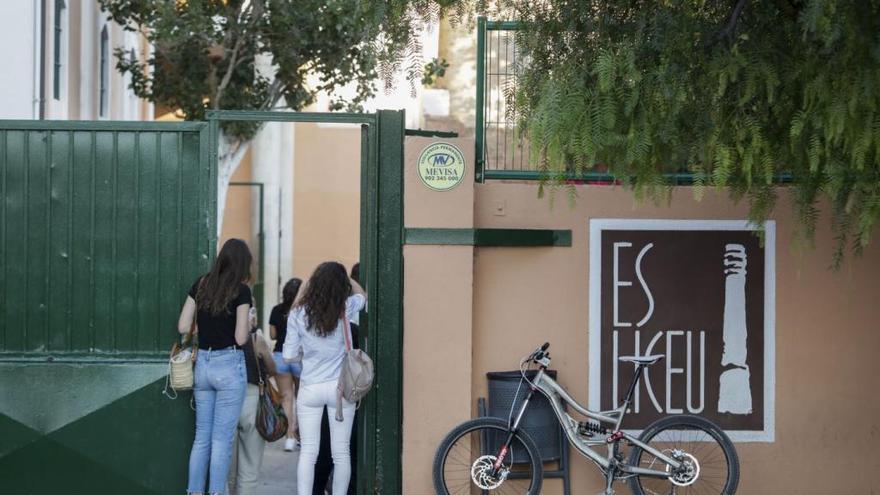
[[61, 63]]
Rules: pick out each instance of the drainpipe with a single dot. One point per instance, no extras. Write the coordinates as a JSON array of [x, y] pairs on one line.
[[40, 72]]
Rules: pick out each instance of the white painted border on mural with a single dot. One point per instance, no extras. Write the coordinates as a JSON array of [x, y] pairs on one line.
[[597, 225]]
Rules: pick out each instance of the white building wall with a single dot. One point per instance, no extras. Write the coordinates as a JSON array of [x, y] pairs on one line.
[[19, 56], [90, 38], [79, 98]]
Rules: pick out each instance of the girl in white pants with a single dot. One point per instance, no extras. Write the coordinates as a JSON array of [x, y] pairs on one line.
[[309, 409], [316, 325]]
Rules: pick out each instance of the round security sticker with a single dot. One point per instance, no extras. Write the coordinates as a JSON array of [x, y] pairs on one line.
[[441, 166]]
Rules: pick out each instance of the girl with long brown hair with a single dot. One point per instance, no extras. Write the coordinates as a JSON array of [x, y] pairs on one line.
[[318, 325], [218, 302]]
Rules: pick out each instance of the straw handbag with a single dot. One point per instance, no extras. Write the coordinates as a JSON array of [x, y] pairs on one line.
[[180, 365]]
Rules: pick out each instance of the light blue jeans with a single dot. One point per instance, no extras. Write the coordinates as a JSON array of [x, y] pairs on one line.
[[220, 382]]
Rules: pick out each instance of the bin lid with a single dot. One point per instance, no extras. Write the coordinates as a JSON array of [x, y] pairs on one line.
[[514, 376]]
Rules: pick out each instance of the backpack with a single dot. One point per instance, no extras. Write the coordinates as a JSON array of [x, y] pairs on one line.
[[356, 377]]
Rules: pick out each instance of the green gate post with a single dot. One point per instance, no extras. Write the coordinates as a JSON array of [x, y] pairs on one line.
[[480, 127], [387, 295]]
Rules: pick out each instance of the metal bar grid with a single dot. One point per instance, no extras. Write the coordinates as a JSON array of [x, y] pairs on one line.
[[498, 147], [500, 153]]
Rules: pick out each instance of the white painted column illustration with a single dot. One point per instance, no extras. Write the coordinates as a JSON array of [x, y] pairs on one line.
[[735, 395]]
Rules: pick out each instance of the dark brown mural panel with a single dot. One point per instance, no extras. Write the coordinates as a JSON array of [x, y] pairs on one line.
[[697, 297]]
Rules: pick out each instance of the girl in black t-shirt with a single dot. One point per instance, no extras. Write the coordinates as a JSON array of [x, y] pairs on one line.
[[288, 373], [218, 302]]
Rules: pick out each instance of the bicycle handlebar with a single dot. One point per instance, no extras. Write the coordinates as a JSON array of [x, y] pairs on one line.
[[540, 352]]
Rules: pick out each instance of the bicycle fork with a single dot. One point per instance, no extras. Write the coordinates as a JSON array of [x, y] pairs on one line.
[[505, 447]]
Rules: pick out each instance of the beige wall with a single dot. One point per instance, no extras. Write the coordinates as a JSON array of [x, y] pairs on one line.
[[238, 211], [498, 303], [826, 332], [458, 45], [826, 335], [437, 317], [326, 199], [327, 196]]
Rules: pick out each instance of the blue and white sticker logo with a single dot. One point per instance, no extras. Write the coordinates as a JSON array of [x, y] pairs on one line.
[[441, 166]]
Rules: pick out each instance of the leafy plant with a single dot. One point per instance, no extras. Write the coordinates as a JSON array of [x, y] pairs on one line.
[[435, 69], [740, 93]]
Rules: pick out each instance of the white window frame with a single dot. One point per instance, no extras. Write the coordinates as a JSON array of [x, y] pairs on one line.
[[58, 71]]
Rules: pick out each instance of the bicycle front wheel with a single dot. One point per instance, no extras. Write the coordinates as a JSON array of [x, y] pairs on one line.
[[466, 461], [710, 465]]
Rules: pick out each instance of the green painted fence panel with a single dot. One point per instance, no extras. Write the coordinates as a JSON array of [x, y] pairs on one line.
[[102, 229], [103, 226]]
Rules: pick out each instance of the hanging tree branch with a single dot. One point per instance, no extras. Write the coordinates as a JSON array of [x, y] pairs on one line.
[[730, 27], [256, 11]]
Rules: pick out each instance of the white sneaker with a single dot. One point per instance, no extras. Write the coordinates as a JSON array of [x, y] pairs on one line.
[[289, 444]]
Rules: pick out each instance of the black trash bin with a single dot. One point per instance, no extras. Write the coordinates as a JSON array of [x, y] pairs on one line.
[[539, 422]]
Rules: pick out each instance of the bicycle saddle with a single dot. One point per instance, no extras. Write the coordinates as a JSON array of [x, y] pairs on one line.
[[641, 360]]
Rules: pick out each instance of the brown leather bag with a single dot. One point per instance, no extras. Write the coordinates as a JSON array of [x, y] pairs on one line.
[[271, 421]]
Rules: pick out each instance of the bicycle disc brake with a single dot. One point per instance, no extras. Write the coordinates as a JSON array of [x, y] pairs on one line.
[[481, 473], [689, 472]]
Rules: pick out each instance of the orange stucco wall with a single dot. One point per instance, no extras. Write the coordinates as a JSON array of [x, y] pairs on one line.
[[438, 284], [327, 196], [237, 214], [498, 303], [826, 334], [826, 331], [325, 203]]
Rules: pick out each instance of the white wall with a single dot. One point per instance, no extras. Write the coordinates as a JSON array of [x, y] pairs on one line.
[[19, 79]]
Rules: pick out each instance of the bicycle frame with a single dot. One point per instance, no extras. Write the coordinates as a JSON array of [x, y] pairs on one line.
[[609, 464]]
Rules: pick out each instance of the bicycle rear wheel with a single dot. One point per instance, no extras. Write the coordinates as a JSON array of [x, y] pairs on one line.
[[465, 461], [710, 463]]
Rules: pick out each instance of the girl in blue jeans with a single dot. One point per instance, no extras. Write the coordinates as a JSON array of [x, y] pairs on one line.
[[218, 303]]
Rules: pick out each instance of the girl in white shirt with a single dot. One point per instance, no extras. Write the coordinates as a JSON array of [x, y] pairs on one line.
[[316, 325]]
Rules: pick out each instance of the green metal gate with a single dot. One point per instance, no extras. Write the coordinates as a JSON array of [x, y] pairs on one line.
[[102, 227]]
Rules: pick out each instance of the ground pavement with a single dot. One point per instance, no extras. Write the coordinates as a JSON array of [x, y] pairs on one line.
[[278, 474]]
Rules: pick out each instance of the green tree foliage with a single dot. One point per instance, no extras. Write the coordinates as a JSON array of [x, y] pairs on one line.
[[266, 54], [737, 92], [205, 51]]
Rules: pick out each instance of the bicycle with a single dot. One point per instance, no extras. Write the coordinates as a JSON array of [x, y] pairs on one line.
[[680, 454]]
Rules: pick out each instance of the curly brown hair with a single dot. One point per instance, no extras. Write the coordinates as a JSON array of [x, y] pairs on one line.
[[288, 294], [220, 286], [324, 297]]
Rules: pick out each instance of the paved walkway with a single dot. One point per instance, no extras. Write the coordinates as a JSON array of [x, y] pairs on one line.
[[278, 474]]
